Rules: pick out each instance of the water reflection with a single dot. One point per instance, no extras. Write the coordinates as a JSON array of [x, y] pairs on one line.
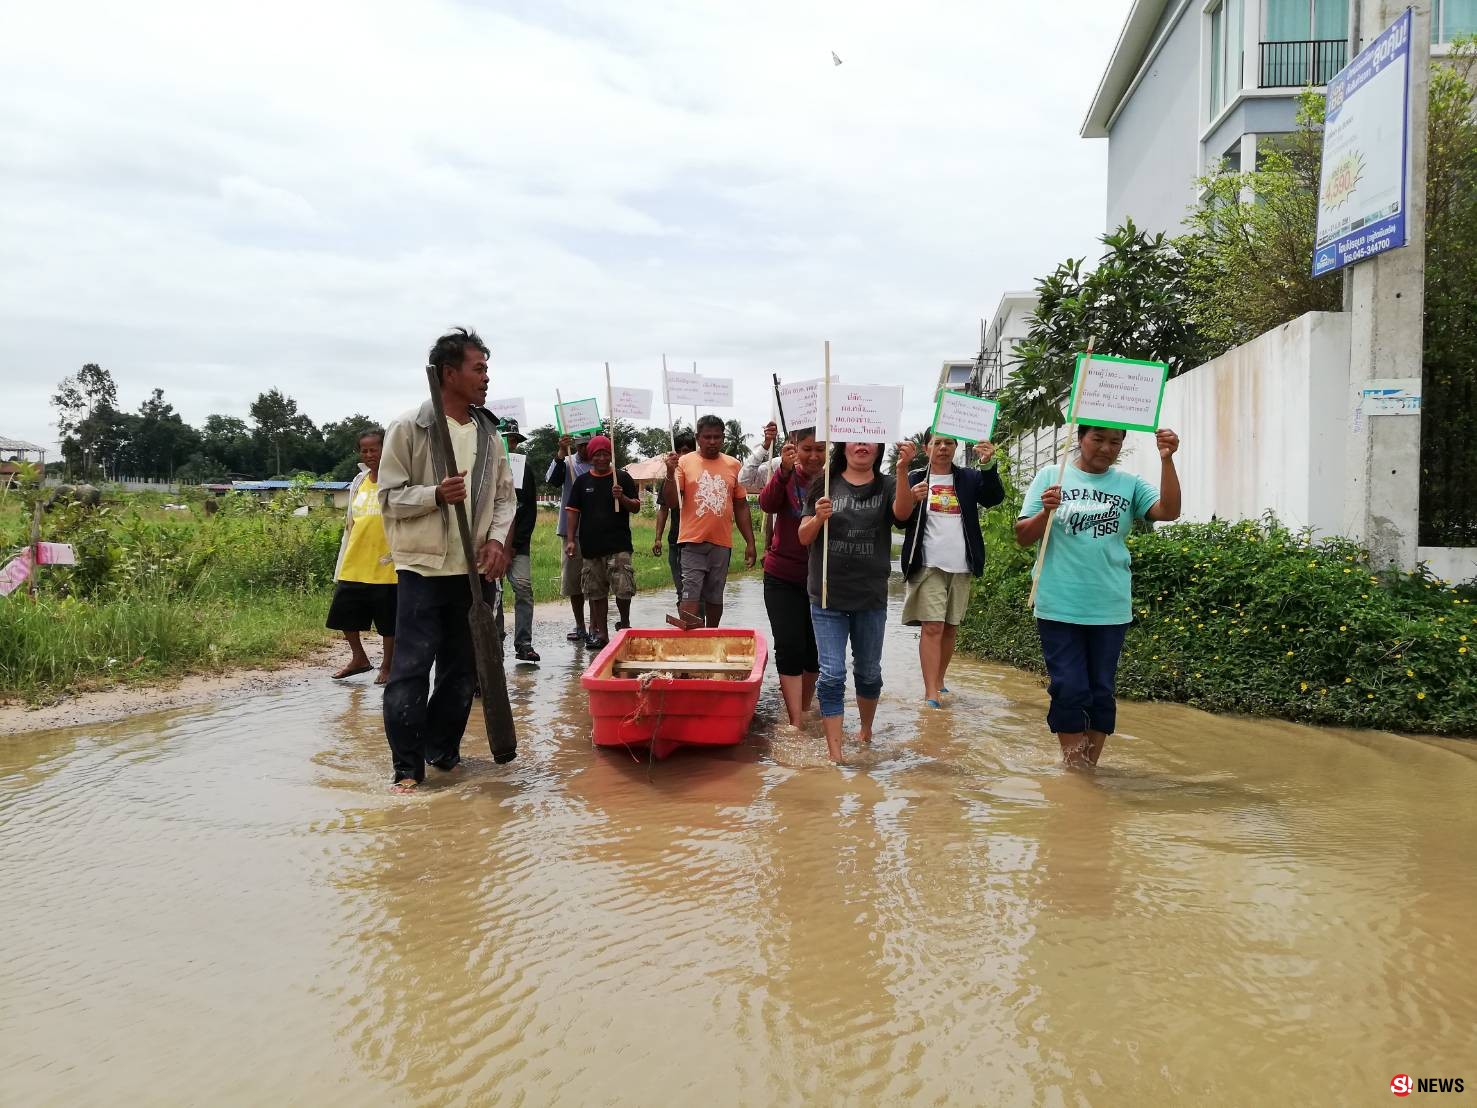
[[226, 905]]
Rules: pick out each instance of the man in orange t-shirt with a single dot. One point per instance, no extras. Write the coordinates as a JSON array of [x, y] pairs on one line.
[[712, 502]]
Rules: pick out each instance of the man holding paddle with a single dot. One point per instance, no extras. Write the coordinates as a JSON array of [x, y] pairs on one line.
[[419, 508]]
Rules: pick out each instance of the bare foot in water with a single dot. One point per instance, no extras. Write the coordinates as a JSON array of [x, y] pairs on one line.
[[864, 735], [384, 675], [355, 667], [405, 785]]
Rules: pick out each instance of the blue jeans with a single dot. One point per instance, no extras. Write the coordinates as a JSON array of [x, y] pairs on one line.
[[520, 576], [832, 629], [1082, 661]]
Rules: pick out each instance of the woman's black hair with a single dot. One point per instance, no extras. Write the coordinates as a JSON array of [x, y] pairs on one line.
[[684, 440], [1083, 428], [371, 433], [798, 435], [838, 467]]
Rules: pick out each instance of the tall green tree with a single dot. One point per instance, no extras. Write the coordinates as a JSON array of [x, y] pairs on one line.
[[1135, 301], [341, 445], [735, 442], [1251, 241], [161, 439], [80, 400], [227, 442]]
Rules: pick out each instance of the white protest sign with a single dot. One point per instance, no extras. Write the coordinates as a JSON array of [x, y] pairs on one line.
[[802, 402], [966, 418], [56, 554], [578, 417], [866, 413], [630, 403], [684, 388], [519, 464], [1119, 392], [511, 407], [717, 392], [14, 575]]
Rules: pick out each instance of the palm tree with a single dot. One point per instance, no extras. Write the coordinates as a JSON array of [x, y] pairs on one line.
[[735, 442]]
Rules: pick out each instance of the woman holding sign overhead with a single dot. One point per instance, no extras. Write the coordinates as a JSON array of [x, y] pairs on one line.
[[1084, 592], [853, 605], [944, 549]]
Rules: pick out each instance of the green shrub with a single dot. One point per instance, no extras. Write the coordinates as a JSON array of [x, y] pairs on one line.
[[1253, 618]]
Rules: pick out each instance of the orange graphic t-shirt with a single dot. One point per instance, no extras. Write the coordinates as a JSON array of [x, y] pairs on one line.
[[709, 491]]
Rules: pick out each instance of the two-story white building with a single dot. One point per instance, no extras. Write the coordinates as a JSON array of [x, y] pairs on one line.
[[1193, 82]]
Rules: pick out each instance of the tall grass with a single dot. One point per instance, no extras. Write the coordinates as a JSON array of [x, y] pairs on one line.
[[159, 593]]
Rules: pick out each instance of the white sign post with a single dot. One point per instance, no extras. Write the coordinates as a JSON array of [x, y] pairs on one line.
[[801, 401], [866, 413], [964, 418], [683, 388], [716, 392], [630, 403], [1117, 392], [578, 417], [512, 407], [1366, 139]]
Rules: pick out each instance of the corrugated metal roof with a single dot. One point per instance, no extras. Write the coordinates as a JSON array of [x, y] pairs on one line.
[[19, 444]]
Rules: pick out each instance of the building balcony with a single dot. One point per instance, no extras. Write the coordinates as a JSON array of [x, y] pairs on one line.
[[1300, 64]]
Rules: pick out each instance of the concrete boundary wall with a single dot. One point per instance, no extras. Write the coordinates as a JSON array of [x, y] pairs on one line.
[[1262, 427]]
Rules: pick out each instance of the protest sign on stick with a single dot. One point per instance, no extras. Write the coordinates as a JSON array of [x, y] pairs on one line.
[[511, 407], [801, 401], [519, 464], [1118, 392], [682, 388], [627, 403], [957, 415], [578, 417], [716, 392], [826, 527], [671, 425], [865, 413]]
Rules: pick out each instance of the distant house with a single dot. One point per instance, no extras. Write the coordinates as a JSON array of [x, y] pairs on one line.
[[335, 492]]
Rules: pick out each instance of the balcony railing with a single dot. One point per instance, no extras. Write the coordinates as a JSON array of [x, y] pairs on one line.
[[1298, 64]]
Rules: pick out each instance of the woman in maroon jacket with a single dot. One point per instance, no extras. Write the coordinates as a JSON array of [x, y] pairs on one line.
[[786, 563]]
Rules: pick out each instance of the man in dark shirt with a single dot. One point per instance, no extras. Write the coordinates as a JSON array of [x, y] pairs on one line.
[[520, 537], [599, 513]]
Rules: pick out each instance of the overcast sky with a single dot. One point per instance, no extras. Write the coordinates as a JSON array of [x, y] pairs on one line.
[[216, 199]]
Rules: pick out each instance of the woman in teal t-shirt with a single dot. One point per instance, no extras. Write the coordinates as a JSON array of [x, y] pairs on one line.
[[1084, 599]]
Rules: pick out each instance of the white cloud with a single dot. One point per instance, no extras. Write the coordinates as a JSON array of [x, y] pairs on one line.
[[217, 199]]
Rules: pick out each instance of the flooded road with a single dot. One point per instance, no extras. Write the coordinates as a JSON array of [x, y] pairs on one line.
[[227, 906]]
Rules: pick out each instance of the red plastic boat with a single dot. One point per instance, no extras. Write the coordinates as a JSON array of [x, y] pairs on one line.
[[663, 687]]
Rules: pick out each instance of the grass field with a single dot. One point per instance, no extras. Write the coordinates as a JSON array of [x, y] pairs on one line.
[[160, 594]]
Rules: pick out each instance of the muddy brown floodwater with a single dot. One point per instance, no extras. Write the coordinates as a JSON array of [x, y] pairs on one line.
[[225, 905]]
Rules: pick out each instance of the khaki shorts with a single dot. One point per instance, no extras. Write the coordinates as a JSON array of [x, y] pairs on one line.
[[610, 574], [569, 573], [936, 596], [704, 571]]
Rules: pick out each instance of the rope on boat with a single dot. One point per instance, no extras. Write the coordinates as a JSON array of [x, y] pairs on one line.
[[644, 684]]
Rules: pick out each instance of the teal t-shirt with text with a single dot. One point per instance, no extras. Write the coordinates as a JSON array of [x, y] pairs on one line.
[[1086, 577]]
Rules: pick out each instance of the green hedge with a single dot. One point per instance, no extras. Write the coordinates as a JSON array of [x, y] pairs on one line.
[[1252, 618]]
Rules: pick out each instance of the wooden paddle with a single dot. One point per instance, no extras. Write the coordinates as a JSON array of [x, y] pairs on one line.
[[487, 644]]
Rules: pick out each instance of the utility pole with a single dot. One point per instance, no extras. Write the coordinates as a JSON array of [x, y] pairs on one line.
[[1386, 300]]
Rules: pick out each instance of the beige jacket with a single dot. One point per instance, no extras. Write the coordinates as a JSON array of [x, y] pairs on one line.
[[417, 528]]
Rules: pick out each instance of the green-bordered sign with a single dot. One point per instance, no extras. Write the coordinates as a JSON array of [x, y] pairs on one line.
[[957, 415], [1119, 392], [578, 417]]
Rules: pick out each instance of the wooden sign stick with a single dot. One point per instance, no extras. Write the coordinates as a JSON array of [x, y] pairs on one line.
[[826, 526], [671, 426], [1061, 472], [610, 407]]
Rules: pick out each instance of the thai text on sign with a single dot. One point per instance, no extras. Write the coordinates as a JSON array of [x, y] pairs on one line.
[[684, 388], [630, 403], [578, 417], [511, 407], [963, 417], [802, 402], [1119, 392], [866, 413]]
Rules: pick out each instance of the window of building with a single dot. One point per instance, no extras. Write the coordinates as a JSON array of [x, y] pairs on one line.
[[1451, 19], [1304, 42], [1227, 39]]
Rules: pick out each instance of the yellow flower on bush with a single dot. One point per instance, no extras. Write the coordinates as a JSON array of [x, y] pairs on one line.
[[1289, 653], [1343, 627], [1420, 696], [1410, 673], [1461, 650], [1303, 685]]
